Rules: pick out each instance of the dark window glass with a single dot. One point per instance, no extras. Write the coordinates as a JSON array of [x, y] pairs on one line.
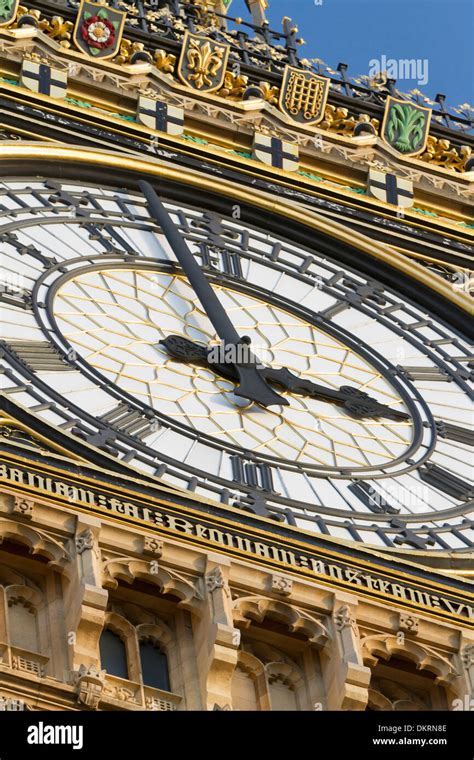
[[113, 656], [154, 666]]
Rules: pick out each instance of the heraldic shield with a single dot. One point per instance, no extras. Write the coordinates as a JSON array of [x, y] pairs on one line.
[[303, 95], [8, 11], [203, 62], [405, 126], [98, 30]]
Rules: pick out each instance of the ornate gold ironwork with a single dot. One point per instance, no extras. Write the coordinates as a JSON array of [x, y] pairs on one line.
[[338, 120], [439, 153]]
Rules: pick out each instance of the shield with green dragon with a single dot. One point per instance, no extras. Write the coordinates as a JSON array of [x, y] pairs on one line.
[[405, 126], [8, 11], [98, 30]]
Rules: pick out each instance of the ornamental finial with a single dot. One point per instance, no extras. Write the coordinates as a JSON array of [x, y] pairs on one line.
[[257, 8]]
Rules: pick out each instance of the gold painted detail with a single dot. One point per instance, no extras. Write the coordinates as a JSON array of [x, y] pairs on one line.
[[128, 49], [58, 29], [234, 86], [203, 62], [164, 61], [269, 93], [338, 120], [303, 95], [439, 153]]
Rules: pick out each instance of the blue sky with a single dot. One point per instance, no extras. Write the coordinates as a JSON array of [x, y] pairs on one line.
[[439, 32]]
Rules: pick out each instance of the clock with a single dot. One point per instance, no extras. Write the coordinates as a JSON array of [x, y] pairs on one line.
[[107, 336]]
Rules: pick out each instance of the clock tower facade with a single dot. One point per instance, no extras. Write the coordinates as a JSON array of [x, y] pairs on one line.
[[236, 346]]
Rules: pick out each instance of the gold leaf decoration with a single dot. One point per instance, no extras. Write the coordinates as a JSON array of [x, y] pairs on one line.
[[439, 153], [337, 120], [234, 86], [126, 51], [164, 61], [58, 29], [269, 94]]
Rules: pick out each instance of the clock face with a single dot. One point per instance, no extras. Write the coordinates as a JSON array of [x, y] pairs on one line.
[[93, 290]]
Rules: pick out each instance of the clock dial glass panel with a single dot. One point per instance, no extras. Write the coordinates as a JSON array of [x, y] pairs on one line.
[[116, 318], [91, 287]]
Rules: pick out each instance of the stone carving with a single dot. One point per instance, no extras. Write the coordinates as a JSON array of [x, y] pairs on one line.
[[84, 541], [344, 618], [23, 506], [257, 608], [282, 585], [467, 656], [216, 580], [408, 623], [152, 545], [89, 681], [386, 646]]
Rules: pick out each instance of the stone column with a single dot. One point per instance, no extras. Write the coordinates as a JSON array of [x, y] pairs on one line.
[[346, 677], [217, 641], [86, 600]]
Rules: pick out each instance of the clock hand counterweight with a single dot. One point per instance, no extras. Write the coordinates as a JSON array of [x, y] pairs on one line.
[[252, 384]]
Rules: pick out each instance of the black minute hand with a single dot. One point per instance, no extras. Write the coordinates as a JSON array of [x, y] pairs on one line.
[[252, 385]]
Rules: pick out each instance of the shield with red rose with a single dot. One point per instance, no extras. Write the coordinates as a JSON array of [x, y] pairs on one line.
[[98, 29]]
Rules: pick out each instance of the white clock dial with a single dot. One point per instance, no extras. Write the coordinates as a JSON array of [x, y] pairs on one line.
[[115, 319], [90, 294]]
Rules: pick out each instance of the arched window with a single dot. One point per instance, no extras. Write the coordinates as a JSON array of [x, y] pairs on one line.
[[154, 665], [23, 625], [113, 656]]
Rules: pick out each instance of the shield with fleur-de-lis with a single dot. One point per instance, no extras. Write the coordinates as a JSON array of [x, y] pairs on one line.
[[203, 62], [8, 11], [98, 30], [406, 126]]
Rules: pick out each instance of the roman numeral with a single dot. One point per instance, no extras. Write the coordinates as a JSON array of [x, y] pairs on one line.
[[227, 262], [130, 421], [256, 475], [372, 499], [40, 356], [431, 374], [455, 433], [27, 250], [407, 536], [444, 481], [15, 297], [333, 311]]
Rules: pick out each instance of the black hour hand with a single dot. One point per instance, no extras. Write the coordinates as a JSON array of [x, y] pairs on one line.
[[358, 403]]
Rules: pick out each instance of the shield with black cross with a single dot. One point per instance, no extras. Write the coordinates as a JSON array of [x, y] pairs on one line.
[[160, 116], [44, 79], [390, 188], [275, 152]]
